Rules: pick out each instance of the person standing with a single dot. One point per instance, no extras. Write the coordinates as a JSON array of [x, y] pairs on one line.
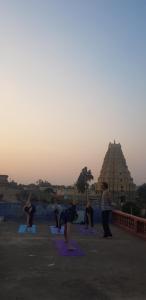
[[67, 217], [89, 215], [29, 209], [106, 209], [57, 213]]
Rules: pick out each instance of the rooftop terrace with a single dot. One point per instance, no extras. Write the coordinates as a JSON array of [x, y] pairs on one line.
[[32, 269]]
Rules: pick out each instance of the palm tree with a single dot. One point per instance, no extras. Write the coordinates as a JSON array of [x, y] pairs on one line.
[[83, 181]]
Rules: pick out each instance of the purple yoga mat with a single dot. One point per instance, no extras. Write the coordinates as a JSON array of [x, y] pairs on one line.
[[63, 251], [88, 231]]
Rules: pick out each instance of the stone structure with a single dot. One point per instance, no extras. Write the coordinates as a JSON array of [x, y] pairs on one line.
[[3, 180], [115, 172]]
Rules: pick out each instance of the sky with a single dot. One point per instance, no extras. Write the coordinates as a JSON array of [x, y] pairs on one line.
[[72, 79]]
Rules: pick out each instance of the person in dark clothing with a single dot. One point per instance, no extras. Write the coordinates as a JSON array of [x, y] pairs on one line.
[[67, 217], [106, 208], [89, 215], [57, 213], [29, 209]]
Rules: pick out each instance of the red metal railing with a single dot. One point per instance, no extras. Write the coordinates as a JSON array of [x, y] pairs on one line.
[[133, 224]]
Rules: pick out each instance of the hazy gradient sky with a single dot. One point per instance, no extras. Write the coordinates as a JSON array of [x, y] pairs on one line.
[[72, 79]]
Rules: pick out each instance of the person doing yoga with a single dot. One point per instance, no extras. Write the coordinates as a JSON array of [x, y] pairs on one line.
[[89, 215], [29, 209], [67, 217], [57, 212]]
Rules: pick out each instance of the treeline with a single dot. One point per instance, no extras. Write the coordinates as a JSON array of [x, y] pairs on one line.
[[137, 207]]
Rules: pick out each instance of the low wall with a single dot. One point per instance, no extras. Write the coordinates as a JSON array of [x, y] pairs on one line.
[[43, 211], [133, 224]]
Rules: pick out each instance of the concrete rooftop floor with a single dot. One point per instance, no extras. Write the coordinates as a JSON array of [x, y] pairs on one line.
[[31, 269]]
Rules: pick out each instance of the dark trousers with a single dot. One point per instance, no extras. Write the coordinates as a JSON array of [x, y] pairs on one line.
[[87, 220], [105, 222], [57, 221], [31, 219]]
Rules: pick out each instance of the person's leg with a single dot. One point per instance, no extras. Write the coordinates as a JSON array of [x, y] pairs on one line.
[[59, 222], [69, 246], [65, 232], [68, 232], [86, 221], [30, 219], [67, 227], [107, 225], [27, 219], [92, 222], [56, 220], [104, 222]]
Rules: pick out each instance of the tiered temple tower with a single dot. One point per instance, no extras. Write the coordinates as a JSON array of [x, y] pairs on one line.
[[115, 172]]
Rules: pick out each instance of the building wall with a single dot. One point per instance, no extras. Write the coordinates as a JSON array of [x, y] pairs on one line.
[[3, 180]]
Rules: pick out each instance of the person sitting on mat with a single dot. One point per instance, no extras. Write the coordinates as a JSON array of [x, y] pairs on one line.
[[29, 209], [67, 217], [89, 215]]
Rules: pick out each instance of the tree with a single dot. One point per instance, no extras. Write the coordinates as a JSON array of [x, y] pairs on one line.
[[43, 183], [131, 208], [141, 192], [22, 195], [83, 180]]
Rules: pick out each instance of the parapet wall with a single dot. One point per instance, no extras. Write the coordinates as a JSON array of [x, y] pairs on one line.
[[43, 211]]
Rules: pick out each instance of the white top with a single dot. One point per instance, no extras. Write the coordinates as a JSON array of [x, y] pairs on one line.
[[106, 201]]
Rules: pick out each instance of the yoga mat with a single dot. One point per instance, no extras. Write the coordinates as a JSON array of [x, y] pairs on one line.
[[88, 231], [63, 250], [54, 230], [25, 229]]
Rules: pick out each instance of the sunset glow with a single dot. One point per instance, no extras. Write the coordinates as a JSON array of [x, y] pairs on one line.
[[72, 80]]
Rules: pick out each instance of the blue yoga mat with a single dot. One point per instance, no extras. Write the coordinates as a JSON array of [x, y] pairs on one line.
[[55, 230], [25, 229]]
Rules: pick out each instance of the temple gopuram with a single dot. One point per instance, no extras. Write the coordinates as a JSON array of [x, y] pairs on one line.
[[115, 172]]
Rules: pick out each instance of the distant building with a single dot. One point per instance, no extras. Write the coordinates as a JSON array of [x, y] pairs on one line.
[[3, 180], [66, 191], [115, 172]]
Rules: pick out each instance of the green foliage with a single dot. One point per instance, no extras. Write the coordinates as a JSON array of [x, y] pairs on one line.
[[131, 208], [43, 183], [141, 192], [22, 195], [83, 180]]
